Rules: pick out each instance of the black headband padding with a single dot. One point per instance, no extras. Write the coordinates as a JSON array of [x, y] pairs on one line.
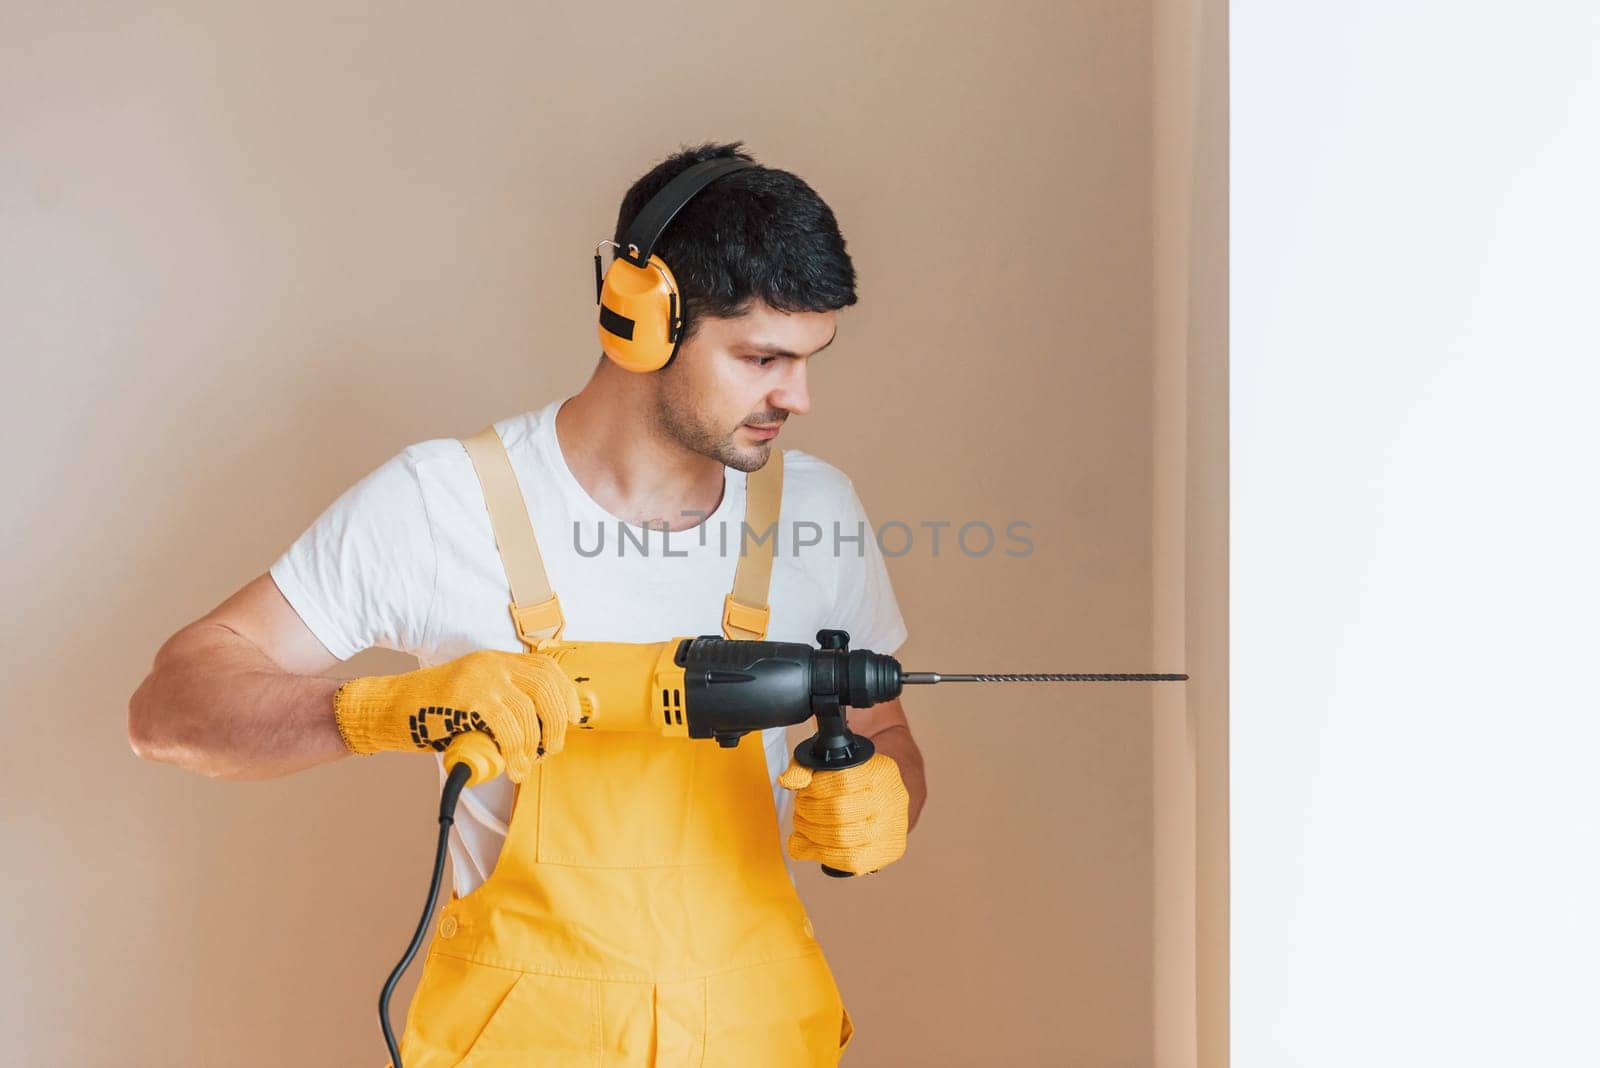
[[646, 228]]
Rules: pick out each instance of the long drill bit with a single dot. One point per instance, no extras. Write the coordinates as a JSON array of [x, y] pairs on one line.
[[927, 678]]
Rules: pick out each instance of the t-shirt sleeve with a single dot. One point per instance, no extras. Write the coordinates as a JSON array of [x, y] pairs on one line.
[[363, 575], [864, 603]]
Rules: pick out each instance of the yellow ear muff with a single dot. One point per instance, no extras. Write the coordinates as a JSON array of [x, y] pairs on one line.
[[641, 310], [641, 317]]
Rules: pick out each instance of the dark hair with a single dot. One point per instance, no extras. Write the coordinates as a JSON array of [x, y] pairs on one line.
[[757, 233]]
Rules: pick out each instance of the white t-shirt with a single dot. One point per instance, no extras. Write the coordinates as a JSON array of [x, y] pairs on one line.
[[406, 560]]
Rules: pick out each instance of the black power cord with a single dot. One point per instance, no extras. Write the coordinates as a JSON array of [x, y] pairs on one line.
[[457, 781]]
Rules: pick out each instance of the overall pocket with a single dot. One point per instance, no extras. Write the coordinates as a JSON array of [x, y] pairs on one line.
[[780, 1014], [549, 1020], [454, 1001], [618, 801], [465, 1013]]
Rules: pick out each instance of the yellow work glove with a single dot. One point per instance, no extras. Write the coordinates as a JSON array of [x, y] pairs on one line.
[[854, 819], [524, 701]]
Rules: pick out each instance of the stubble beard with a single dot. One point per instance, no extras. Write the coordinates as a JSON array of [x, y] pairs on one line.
[[679, 420]]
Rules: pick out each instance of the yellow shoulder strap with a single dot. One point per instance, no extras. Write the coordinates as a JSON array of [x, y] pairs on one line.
[[535, 609], [744, 611]]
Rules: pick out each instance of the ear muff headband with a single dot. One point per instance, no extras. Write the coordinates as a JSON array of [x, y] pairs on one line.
[[641, 312]]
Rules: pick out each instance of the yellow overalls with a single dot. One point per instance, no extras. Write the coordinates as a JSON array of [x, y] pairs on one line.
[[640, 912]]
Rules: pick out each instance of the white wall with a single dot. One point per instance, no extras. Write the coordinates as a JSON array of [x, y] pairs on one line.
[[1415, 585]]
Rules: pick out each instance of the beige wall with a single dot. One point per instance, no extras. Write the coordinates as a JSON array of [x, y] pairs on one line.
[[246, 256]]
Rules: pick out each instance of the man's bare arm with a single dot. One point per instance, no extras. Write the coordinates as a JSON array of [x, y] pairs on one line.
[[234, 695], [890, 732]]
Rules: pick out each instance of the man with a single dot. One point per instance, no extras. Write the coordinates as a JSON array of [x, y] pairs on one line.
[[634, 488]]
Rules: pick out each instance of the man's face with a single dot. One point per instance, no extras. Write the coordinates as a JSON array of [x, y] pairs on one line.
[[735, 375]]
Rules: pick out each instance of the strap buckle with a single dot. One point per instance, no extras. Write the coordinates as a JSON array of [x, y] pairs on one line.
[[749, 619], [540, 622]]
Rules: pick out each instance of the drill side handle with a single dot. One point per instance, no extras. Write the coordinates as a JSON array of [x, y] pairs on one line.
[[833, 748]]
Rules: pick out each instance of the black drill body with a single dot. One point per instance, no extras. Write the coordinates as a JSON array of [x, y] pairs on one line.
[[733, 687]]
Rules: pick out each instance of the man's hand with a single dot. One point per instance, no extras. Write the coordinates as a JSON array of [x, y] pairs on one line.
[[524, 701], [854, 819]]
